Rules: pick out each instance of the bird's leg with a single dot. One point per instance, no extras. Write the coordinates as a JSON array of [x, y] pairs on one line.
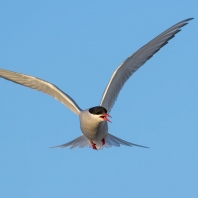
[[103, 142], [93, 145]]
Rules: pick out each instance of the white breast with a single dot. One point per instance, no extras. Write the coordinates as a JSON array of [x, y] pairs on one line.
[[92, 127]]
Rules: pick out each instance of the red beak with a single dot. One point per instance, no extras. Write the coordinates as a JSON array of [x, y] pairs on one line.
[[104, 116]]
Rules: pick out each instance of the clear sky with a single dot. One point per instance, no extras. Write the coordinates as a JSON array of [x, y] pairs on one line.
[[77, 45]]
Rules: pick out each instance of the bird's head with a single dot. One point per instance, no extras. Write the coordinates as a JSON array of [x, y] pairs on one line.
[[101, 112]]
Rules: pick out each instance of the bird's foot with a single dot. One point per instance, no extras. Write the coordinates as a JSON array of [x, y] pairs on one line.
[[103, 142], [93, 145]]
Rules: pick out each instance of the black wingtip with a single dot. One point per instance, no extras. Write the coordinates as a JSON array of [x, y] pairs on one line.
[[188, 19]]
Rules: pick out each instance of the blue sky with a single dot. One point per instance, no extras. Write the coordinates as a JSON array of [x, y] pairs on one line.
[[77, 45]]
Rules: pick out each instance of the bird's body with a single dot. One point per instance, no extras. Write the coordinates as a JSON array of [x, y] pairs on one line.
[[91, 127], [93, 121]]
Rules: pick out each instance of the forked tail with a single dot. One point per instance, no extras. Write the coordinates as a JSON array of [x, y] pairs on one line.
[[110, 140]]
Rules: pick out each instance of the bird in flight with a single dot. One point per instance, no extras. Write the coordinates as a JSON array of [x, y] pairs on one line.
[[93, 121]]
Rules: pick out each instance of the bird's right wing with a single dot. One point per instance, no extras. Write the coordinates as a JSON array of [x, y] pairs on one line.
[[41, 85]]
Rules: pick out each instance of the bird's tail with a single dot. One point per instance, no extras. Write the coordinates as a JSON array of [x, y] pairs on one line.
[[110, 140], [115, 141]]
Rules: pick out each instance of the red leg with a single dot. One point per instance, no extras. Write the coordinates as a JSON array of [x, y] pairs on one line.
[[103, 142], [93, 145]]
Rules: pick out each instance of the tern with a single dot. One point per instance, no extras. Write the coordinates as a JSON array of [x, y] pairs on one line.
[[93, 121]]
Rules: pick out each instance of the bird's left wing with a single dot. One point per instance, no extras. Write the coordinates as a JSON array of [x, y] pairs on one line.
[[134, 62], [43, 86]]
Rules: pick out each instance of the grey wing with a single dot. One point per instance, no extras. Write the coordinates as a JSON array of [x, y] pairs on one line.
[[134, 62], [41, 85]]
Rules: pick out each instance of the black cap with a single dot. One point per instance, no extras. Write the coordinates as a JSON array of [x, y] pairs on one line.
[[97, 110]]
